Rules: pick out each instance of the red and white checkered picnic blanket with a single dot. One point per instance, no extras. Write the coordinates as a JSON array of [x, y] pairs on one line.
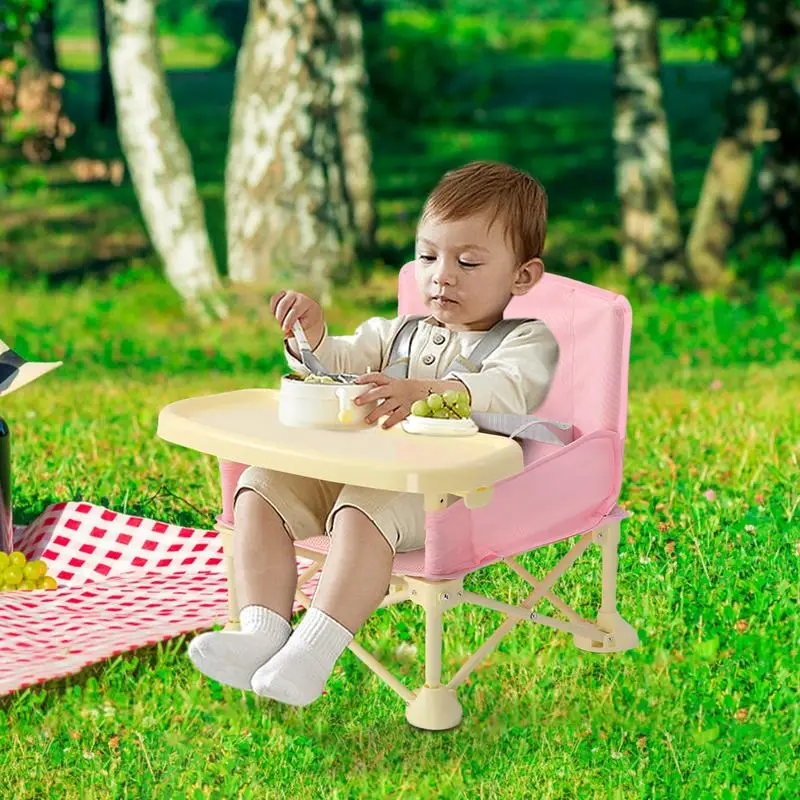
[[123, 582]]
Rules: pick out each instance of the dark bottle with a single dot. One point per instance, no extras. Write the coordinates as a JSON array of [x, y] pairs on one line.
[[6, 531]]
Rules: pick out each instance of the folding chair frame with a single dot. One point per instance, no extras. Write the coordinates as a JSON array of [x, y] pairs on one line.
[[434, 705]]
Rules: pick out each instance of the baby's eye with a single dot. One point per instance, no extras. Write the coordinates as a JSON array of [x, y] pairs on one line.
[[425, 257], [467, 263]]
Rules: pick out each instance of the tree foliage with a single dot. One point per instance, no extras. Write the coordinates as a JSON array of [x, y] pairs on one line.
[[17, 18], [31, 106]]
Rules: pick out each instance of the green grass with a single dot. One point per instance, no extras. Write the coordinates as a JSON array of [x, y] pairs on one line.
[[704, 708]]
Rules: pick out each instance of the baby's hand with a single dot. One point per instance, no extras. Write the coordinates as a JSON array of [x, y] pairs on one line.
[[397, 394], [290, 307]]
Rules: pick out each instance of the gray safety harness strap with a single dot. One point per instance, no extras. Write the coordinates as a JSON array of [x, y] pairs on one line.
[[486, 346], [400, 351], [515, 426]]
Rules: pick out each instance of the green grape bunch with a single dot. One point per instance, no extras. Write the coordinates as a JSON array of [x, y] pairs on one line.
[[19, 574], [449, 405]]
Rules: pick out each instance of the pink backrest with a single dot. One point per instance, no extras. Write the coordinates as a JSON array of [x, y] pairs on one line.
[[593, 330]]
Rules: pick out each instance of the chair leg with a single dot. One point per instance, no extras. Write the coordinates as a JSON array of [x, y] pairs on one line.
[[435, 707], [233, 606], [622, 635]]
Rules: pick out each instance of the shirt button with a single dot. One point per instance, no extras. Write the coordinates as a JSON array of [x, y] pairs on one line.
[[428, 360], [438, 339]]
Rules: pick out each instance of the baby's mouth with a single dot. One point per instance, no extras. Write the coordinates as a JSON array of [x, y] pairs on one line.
[[445, 301]]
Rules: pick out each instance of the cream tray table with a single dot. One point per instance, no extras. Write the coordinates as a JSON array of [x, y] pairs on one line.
[[243, 426]]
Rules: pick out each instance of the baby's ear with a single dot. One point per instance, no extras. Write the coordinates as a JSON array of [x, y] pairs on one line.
[[528, 275]]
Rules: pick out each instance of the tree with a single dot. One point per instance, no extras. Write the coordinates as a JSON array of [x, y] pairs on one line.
[[730, 169], [31, 105], [106, 110], [285, 190], [349, 98], [43, 40], [769, 50], [158, 159], [652, 243], [779, 179]]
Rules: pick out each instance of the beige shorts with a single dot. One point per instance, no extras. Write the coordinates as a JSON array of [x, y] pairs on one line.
[[308, 505]]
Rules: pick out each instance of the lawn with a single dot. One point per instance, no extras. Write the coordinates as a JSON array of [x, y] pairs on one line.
[[705, 708], [708, 576]]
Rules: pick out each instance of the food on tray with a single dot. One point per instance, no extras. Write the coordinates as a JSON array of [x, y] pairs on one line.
[[450, 405]]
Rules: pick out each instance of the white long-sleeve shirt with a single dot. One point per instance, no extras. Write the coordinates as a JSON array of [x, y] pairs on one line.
[[514, 379]]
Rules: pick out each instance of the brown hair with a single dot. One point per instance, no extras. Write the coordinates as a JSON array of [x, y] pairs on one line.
[[508, 192]]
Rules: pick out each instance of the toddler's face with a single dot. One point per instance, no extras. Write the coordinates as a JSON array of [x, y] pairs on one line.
[[467, 272]]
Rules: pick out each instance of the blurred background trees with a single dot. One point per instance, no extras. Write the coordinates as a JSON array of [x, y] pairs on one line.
[[295, 142]]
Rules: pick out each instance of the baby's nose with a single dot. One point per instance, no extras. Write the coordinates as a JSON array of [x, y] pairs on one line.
[[443, 274]]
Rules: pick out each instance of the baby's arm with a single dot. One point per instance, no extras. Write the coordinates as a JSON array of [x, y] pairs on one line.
[[515, 378], [358, 353]]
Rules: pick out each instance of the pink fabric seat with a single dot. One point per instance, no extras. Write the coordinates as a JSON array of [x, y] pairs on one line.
[[562, 491]]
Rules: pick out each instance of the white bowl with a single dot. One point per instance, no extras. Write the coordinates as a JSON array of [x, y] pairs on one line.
[[322, 405], [431, 426]]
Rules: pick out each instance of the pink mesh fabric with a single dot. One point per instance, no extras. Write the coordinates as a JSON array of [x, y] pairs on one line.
[[229, 472], [562, 491]]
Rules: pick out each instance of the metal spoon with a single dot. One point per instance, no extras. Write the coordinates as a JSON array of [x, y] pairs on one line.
[[311, 362]]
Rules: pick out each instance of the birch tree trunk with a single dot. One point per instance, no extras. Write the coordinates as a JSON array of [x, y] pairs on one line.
[[652, 244], [730, 169], [157, 156], [288, 219], [350, 99]]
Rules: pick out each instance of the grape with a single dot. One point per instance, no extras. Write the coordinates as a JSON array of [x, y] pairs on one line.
[[48, 582], [451, 404], [435, 402], [12, 575], [34, 570], [451, 397], [3, 560], [27, 586], [420, 408], [17, 559], [462, 409]]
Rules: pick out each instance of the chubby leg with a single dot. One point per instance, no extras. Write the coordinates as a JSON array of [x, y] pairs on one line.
[[264, 563], [265, 573], [353, 584], [357, 570]]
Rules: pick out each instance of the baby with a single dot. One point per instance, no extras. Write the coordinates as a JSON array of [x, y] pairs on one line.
[[479, 243]]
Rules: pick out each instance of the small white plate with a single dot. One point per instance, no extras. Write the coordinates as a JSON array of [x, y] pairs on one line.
[[430, 426]]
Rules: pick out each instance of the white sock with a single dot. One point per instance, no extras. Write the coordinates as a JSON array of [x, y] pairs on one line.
[[231, 657], [298, 674]]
